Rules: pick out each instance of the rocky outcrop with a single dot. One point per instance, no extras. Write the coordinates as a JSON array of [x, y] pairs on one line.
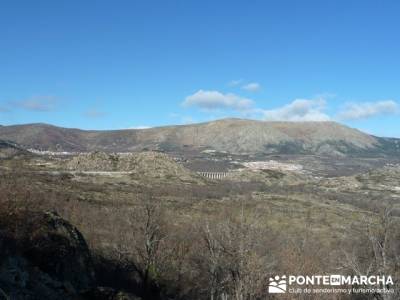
[[144, 164], [42, 256]]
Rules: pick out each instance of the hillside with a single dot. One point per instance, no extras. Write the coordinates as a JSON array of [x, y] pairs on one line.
[[235, 136], [10, 149]]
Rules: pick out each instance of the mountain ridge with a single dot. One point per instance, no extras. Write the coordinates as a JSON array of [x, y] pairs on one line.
[[236, 136]]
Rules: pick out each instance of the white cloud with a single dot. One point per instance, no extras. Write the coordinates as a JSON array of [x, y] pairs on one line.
[[140, 127], [214, 100], [37, 103], [173, 115], [94, 113], [183, 119], [252, 87], [356, 111], [187, 120], [298, 111], [235, 82]]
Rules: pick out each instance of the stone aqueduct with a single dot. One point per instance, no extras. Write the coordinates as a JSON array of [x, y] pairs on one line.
[[214, 175]]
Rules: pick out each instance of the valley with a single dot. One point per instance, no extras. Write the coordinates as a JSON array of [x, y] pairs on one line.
[[194, 222], [158, 226]]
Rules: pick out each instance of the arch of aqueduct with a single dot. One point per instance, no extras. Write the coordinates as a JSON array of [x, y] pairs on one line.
[[214, 175]]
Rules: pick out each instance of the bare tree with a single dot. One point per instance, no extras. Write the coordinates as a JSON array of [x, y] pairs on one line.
[[214, 253], [235, 257], [373, 250], [149, 235]]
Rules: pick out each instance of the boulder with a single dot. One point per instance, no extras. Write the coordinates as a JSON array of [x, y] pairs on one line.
[[42, 256]]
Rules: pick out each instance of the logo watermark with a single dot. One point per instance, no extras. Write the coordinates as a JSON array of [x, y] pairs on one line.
[[320, 284], [277, 285]]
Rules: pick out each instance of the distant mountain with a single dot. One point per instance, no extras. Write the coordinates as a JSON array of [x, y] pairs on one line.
[[235, 136]]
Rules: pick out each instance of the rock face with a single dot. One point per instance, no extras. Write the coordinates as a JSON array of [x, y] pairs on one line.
[[236, 136], [42, 257]]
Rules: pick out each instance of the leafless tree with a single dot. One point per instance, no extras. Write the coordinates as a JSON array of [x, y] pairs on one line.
[[374, 250], [149, 235], [235, 257]]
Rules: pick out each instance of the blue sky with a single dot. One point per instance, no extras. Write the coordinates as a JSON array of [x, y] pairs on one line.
[[123, 64]]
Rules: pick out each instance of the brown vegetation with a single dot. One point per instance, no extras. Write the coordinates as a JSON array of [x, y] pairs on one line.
[[222, 240]]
